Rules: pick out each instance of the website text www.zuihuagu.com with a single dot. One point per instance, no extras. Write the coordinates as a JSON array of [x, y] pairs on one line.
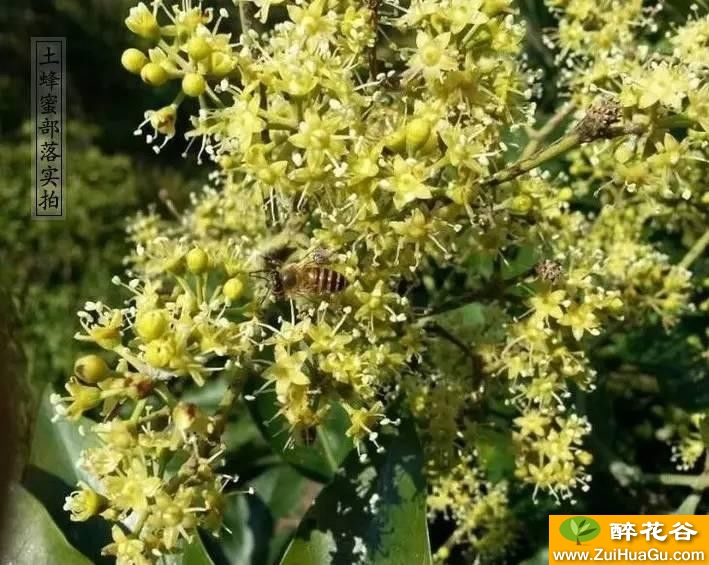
[[601, 554]]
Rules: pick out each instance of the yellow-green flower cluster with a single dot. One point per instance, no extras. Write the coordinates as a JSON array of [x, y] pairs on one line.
[[687, 434], [373, 134]]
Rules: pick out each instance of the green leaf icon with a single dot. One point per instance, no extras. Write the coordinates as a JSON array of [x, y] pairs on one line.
[[574, 528]]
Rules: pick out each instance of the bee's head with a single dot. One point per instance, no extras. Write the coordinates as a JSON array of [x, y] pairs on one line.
[[277, 284]]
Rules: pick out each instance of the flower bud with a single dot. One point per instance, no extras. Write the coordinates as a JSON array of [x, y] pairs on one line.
[[520, 204], [133, 60], [584, 457], [616, 304], [565, 194], [193, 84], [494, 7], [91, 369], [417, 133], [197, 261], [198, 48], [151, 325], [159, 353], [142, 22], [233, 288], [153, 74]]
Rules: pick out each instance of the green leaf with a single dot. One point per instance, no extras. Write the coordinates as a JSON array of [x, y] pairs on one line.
[[249, 529], [196, 554], [525, 259], [373, 513], [583, 526], [318, 461], [56, 445], [32, 537], [281, 489], [496, 452], [588, 532], [574, 528]]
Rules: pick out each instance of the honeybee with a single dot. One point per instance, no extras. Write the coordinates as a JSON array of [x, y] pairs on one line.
[[309, 279], [549, 271]]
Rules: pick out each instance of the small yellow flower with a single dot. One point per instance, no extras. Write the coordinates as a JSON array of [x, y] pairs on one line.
[[287, 370], [142, 22], [84, 503]]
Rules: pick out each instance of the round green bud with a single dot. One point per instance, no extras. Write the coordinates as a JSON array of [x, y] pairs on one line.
[[616, 304], [494, 7], [193, 84], [233, 288], [197, 261], [520, 204], [159, 353], [151, 325], [198, 48], [91, 369], [565, 194], [153, 74], [133, 60], [418, 132]]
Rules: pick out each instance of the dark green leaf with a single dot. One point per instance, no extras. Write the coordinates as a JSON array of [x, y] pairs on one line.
[[587, 532], [373, 513], [525, 259], [318, 461], [249, 528], [32, 537], [281, 489]]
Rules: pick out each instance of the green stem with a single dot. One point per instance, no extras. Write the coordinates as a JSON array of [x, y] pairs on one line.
[[537, 136], [570, 141], [695, 251], [697, 482], [584, 132]]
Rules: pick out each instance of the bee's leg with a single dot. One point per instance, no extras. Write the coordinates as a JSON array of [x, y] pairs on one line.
[[292, 310], [263, 298]]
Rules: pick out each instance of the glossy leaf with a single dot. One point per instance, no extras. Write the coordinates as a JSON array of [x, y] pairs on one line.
[[371, 513], [318, 461], [248, 527], [32, 537], [56, 445]]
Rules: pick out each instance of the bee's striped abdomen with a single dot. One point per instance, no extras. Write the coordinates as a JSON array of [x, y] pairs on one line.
[[337, 281], [326, 281]]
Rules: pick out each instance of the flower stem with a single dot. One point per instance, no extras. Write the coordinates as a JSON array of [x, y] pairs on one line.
[[537, 136], [695, 251]]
